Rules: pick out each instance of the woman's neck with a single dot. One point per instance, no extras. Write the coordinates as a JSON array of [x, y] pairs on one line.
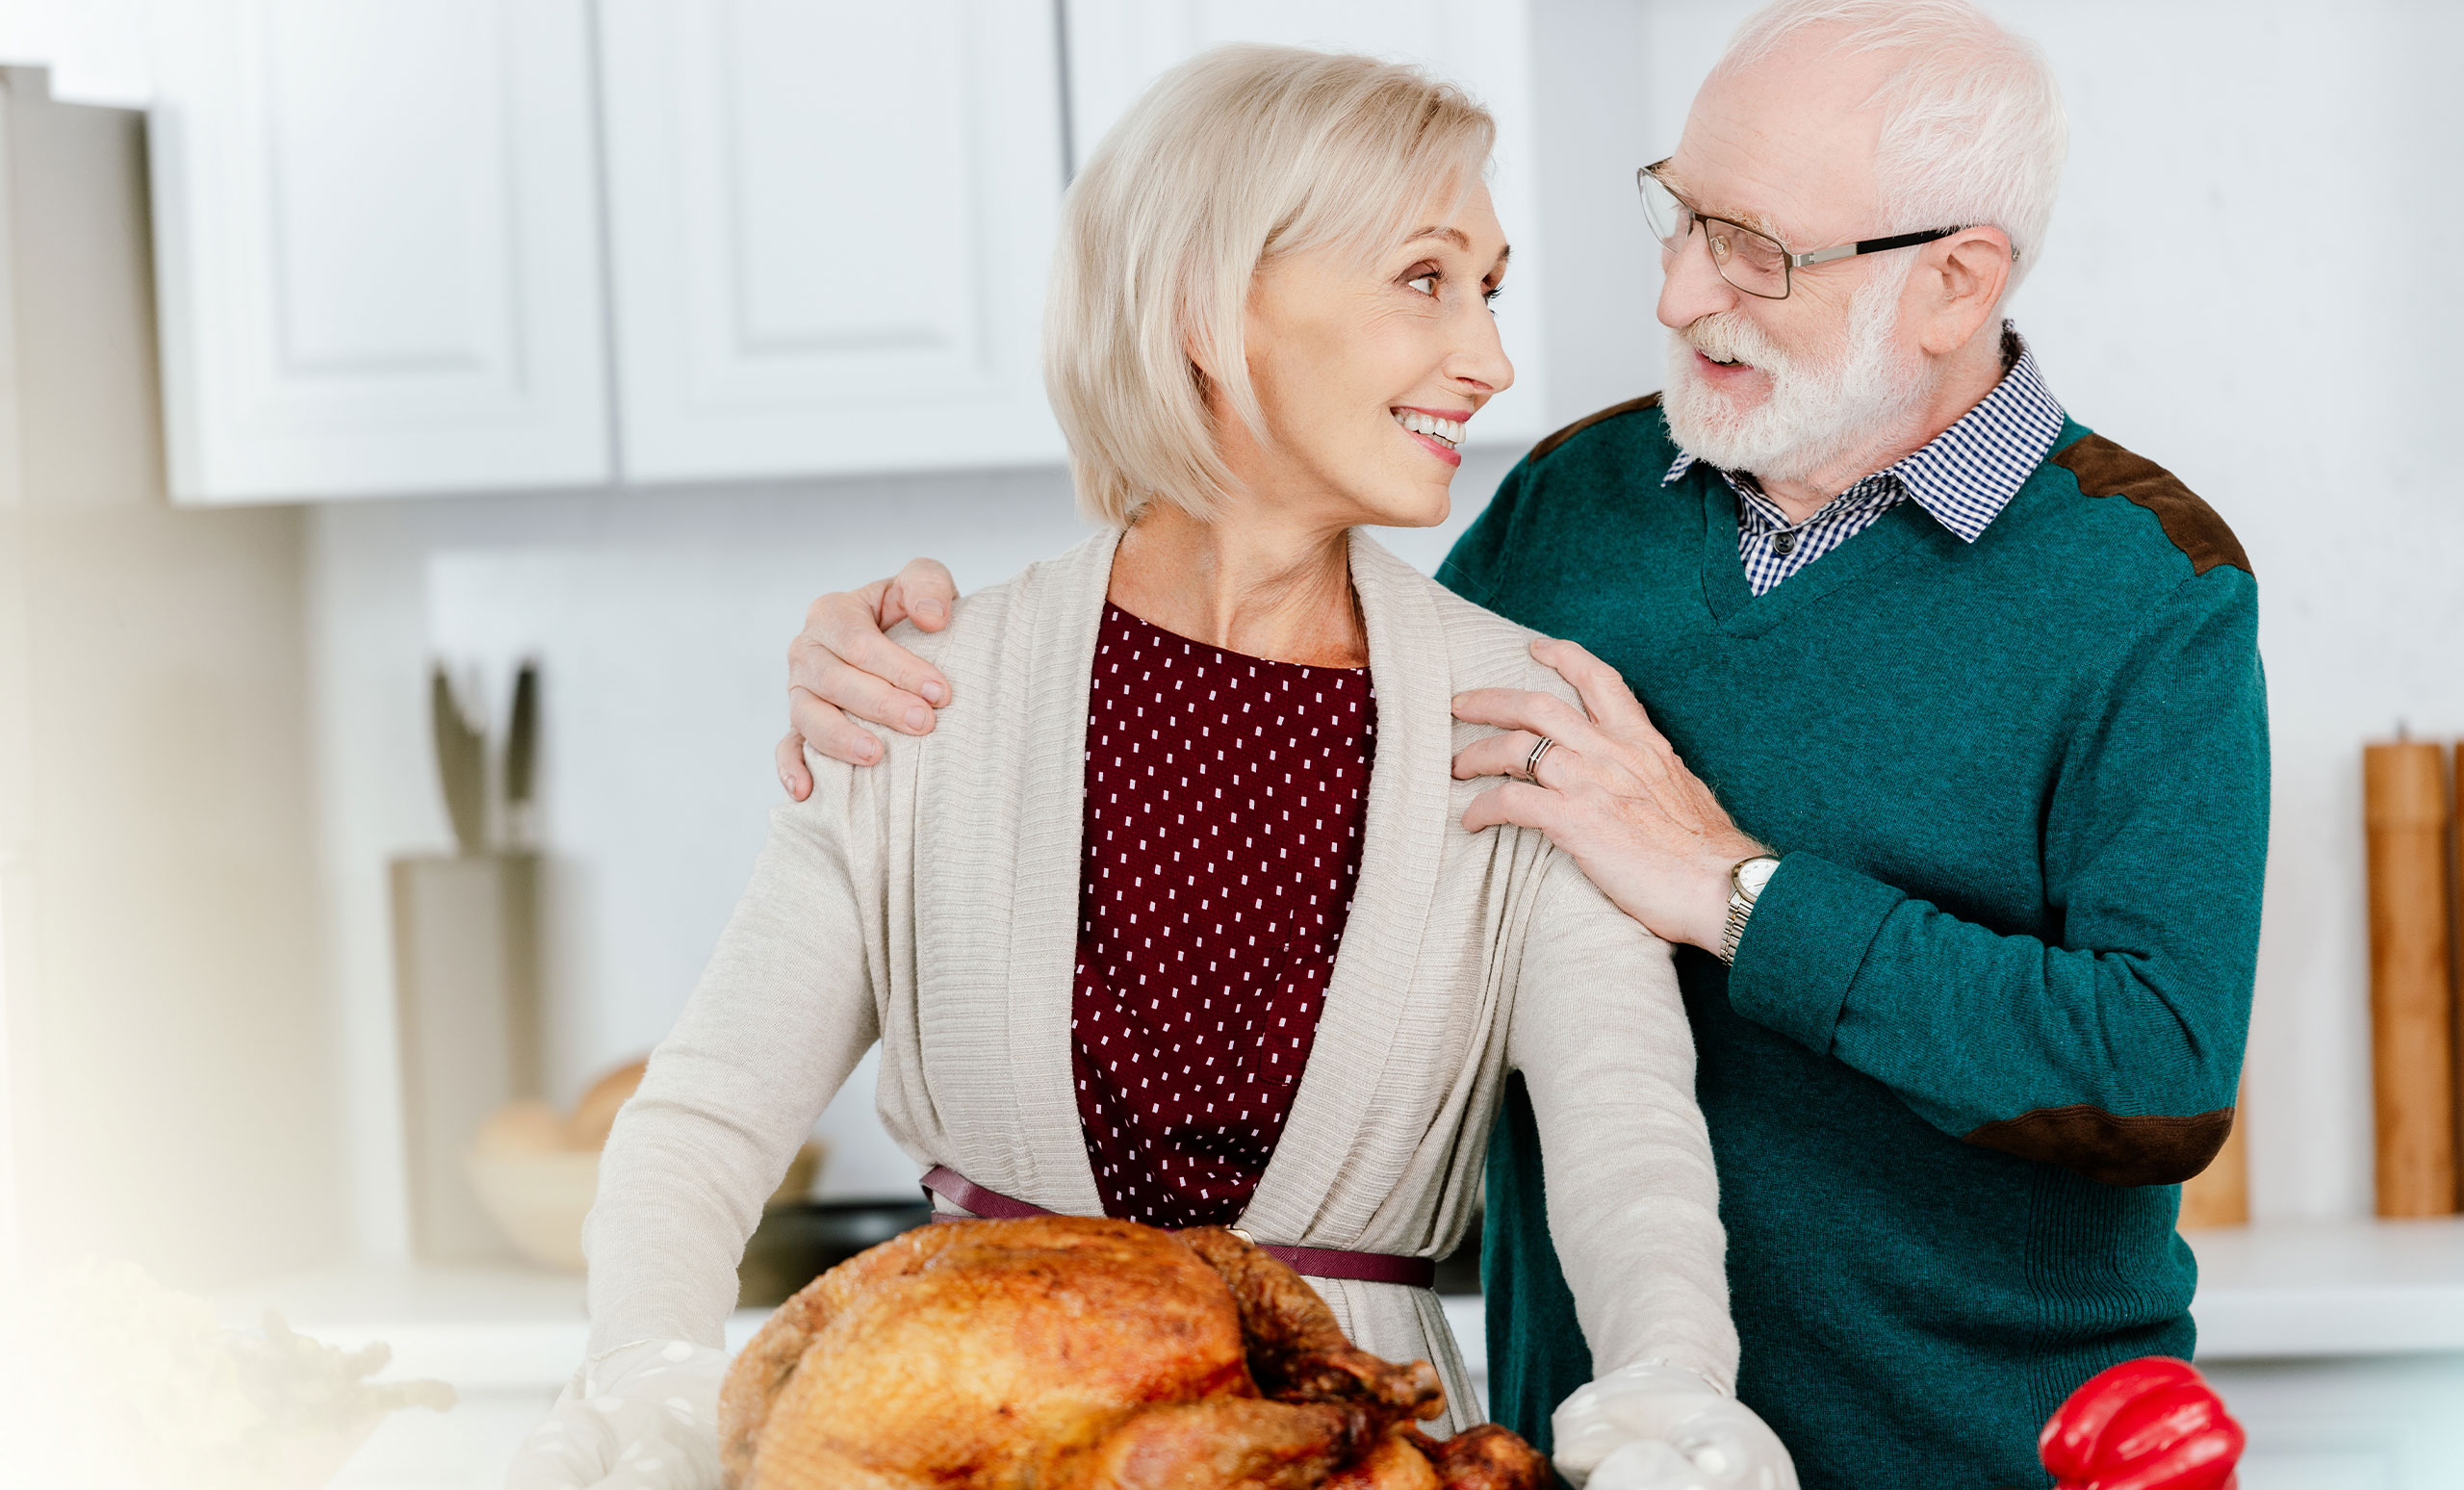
[[1243, 584]]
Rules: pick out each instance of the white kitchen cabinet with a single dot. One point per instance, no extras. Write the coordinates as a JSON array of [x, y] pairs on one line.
[[1117, 48], [375, 241], [829, 222], [385, 267]]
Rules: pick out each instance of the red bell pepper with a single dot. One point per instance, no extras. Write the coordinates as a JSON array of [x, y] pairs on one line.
[[2152, 1424]]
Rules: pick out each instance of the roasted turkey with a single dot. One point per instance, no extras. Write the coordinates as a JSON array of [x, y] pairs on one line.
[[1061, 1353]]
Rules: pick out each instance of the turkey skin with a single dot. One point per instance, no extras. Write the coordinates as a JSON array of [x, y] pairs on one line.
[[1067, 1353]]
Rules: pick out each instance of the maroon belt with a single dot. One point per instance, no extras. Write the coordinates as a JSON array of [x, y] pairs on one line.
[[1315, 1262]]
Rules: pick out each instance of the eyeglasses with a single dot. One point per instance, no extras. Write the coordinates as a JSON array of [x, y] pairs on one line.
[[1753, 261]]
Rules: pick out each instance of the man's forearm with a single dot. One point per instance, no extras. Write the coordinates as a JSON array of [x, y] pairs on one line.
[[2119, 1066], [2111, 1042]]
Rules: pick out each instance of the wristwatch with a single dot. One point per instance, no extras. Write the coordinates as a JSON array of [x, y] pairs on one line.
[[1746, 879]]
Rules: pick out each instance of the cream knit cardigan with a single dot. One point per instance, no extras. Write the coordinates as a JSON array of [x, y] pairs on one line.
[[930, 905]]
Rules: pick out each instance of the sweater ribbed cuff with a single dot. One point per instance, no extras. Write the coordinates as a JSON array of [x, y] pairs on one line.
[[1807, 935]]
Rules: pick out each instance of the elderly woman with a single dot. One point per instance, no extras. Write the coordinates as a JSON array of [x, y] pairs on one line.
[[1171, 918]]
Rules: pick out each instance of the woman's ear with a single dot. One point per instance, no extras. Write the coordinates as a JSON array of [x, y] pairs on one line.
[[1200, 356], [1961, 283]]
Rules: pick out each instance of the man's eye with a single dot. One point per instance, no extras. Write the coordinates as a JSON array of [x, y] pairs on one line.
[[1426, 284]]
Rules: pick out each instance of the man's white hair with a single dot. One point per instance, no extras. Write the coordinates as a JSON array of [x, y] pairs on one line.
[[1973, 133]]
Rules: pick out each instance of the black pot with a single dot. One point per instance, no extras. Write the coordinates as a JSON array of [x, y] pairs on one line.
[[797, 1244]]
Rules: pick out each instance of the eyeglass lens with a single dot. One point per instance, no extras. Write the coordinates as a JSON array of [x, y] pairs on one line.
[[1745, 258]]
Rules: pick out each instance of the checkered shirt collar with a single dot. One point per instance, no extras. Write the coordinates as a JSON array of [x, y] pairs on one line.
[[1965, 475]]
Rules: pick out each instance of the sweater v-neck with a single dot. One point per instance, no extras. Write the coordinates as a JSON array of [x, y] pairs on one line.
[[1734, 606]]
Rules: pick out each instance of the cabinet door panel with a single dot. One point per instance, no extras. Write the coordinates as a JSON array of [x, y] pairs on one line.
[[1117, 48], [813, 282], [832, 223], [377, 247]]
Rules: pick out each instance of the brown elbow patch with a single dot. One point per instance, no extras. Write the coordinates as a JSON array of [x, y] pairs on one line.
[[2104, 469], [2109, 1149], [1647, 401]]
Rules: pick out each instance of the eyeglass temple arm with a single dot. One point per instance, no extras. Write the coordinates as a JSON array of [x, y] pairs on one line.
[[1870, 245]]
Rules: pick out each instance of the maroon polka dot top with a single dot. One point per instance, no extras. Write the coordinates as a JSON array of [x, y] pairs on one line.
[[1224, 802]]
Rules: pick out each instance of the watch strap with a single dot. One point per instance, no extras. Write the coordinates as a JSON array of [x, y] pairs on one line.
[[1741, 905]]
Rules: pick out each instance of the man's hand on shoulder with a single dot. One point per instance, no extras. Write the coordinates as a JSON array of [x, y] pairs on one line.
[[844, 673], [1611, 792]]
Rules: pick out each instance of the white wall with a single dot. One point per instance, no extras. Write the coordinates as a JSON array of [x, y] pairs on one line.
[[97, 50], [169, 1075], [168, 1092]]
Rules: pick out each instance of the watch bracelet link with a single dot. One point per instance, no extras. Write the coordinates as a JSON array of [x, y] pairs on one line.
[[1739, 908]]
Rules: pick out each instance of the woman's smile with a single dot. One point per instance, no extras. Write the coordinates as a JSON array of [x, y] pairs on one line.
[[1438, 433]]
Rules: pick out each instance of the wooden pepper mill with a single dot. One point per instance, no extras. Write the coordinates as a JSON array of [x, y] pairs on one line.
[[2219, 1195], [2455, 951], [2411, 1001]]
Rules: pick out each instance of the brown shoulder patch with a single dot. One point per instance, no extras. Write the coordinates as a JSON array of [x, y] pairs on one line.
[[2105, 469], [2108, 1150], [1645, 401]]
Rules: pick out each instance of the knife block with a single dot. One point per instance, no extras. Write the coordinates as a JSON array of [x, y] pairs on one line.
[[467, 1007]]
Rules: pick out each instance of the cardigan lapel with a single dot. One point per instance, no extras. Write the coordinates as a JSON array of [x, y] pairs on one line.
[[1367, 1027], [1052, 686]]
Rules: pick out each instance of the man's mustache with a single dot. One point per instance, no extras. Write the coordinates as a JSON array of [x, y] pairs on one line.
[[1726, 336]]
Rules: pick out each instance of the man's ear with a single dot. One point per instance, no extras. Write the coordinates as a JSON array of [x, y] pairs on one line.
[[1962, 281]]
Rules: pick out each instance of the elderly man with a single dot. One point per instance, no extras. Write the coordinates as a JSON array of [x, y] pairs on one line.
[[1954, 781]]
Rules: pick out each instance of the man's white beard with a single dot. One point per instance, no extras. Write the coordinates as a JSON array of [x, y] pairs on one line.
[[1814, 419]]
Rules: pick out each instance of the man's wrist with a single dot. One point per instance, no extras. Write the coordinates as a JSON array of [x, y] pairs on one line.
[[1708, 924], [1745, 879]]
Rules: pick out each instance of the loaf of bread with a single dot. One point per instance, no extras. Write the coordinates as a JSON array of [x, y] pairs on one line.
[[596, 1115]]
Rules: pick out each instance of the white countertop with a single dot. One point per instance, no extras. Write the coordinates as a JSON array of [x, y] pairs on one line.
[[480, 1327], [2309, 1289], [2279, 1290]]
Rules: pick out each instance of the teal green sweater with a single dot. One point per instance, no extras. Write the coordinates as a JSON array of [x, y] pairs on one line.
[[1991, 1010]]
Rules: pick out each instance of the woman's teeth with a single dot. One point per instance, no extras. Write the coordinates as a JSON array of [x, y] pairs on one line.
[[1448, 430]]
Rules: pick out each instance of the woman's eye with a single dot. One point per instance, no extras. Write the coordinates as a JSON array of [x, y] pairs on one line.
[[1426, 284]]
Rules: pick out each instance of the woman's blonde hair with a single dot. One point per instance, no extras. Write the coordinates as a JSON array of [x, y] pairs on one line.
[[1237, 156]]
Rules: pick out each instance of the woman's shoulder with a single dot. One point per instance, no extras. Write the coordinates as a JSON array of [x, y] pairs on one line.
[[989, 621], [1014, 653], [1483, 649]]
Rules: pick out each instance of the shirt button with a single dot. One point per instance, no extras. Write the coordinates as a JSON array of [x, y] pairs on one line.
[[1783, 544]]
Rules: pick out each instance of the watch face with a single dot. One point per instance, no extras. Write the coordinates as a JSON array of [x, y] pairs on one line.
[[1755, 873]]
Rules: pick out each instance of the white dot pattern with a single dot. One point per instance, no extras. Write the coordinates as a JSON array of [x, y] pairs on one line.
[[1224, 800]]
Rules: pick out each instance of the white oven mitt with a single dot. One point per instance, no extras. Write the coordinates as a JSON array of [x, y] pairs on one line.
[[1656, 1427], [641, 1417]]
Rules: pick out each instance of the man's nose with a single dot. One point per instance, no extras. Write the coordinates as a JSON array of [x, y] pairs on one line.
[[1691, 287]]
